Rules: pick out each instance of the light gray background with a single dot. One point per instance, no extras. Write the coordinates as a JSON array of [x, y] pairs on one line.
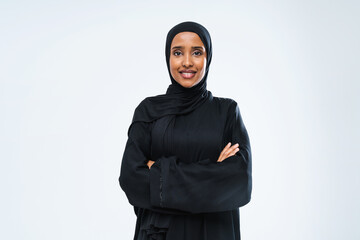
[[72, 73]]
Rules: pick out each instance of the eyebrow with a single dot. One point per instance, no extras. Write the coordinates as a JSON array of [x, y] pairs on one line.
[[196, 47]]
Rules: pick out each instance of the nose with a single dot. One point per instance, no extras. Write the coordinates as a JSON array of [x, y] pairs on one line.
[[187, 61]]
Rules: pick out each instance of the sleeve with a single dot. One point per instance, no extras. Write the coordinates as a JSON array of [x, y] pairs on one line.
[[134, 176], [206, 186]]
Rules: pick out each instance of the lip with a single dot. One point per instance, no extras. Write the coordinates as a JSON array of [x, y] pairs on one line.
[[187, 71], [187, 75]]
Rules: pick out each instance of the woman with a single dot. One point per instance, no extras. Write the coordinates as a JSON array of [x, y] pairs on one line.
[[186, 167]]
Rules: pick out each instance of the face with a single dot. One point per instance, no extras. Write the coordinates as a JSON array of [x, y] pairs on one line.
[[187, 59]]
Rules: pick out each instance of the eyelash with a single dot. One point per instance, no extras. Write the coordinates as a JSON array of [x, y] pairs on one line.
[[200, 53]]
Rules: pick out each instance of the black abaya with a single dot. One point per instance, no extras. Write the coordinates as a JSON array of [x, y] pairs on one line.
[[187, 194]]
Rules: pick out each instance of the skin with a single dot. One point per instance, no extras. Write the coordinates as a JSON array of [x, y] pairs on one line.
[[188, 52]]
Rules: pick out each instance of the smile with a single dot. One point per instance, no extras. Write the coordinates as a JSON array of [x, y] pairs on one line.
[[187, 74]]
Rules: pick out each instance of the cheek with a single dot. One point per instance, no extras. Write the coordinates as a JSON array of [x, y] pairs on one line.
[[202, 64], [173, 68], [173, 63]]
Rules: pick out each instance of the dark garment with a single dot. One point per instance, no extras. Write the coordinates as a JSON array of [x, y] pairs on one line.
[[187, 194]]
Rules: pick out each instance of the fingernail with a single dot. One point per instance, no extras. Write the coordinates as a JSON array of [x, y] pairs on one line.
[[229, 143]]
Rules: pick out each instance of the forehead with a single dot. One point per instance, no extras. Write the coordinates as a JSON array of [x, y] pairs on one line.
[[187, 38]]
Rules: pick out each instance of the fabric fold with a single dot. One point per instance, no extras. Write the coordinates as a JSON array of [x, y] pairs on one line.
[[155, 225]]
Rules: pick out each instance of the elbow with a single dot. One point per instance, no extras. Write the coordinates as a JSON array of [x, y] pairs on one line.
[[247, 195], [246, 199], [123, 182], [245, 191], [126, 179]]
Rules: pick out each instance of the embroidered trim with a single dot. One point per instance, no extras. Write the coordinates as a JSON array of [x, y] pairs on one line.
[[156, 233], [161, 199]]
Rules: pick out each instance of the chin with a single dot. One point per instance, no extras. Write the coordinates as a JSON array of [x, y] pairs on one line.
[[187, 83]]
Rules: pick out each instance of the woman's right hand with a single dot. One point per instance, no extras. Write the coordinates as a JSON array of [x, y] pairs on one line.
[[228, 151]]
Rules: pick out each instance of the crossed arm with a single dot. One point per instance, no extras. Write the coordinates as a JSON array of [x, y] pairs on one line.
[[228, 151], [177, 187]]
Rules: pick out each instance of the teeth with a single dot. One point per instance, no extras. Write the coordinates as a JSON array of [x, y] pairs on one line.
[[187, 74]]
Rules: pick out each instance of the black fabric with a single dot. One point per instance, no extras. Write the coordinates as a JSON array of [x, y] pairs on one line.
[[186, 194]]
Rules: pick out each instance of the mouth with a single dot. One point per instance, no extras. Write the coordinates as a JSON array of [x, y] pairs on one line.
[[187, 74]]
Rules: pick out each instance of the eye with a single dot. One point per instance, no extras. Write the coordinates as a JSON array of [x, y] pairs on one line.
[[197, 53], [177, 53]]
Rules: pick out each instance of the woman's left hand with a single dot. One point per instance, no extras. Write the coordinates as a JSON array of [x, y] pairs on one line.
[[150, 163]]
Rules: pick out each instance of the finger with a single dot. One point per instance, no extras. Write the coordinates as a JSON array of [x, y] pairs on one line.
[[231, 149], [224, 150], [221, 159], [226, 147], [231, 154], [234, 152], [149, 163], [227, 151]]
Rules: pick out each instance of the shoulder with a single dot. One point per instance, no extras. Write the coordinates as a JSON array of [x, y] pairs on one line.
[[144, 102], [226, 103], [142, 105], [150, 101], [140, 111]]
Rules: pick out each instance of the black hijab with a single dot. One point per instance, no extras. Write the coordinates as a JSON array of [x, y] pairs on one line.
[[177, 100], [205, 38]]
